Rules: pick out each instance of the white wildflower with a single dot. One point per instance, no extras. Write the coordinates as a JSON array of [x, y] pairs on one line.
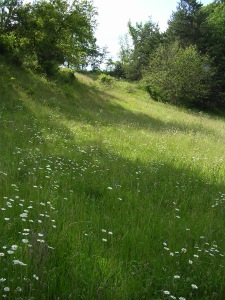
[[25, 241], [18, 262], [166, 292], [194, 286], [23, 215], [40, 241], [14, 247]]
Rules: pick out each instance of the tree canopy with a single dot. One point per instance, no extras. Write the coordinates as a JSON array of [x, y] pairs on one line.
[[194, 69], [49, 32], [145, 39], [178, 75]]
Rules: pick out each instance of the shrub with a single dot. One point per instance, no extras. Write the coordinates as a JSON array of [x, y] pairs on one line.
[[178, 75], [106, 80], [66, 75]]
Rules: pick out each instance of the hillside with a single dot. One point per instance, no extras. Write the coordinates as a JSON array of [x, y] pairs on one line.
[[106, 194]]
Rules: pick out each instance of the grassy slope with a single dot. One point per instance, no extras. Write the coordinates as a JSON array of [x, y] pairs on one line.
[[107, 194]]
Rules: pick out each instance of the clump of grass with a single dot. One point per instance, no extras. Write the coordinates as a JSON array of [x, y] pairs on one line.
[[107, 194]]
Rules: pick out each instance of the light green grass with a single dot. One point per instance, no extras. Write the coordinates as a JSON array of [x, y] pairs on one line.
[[117, 194]]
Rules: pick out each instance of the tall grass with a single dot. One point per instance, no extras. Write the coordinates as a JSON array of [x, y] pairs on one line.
[[106, 194]]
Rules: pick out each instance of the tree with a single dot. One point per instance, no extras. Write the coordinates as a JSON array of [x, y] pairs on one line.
[[185, 25], [178, 75], [60, 32], [8, 14], [214, 40], [110, 65], [97, 57], [124, 56], [8, 22], [125, 49], [52, 32], [204, 27], [146, 38]]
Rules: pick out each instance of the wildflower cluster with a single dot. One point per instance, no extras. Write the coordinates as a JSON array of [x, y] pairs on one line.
[[189, 262], [28, 222]]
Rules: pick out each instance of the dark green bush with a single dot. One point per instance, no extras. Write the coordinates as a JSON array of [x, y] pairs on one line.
[[178, 75]]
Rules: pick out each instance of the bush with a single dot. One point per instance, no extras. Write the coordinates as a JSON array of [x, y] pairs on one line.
[[106, 80], [178, 75], [66, 75]]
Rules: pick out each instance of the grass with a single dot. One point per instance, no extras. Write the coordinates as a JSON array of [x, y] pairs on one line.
[[106, 194]]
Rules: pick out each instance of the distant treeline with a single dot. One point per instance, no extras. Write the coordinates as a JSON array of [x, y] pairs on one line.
[[185, 64]]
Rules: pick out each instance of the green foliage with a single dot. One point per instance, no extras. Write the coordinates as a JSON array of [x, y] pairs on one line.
[[145, 39], [185, 25], [50, 32], [215, 41], [195, 72], [7, 43], [97, 57], [106, 80], [66, 75], [8, 14], [194, 24], [178, 75]]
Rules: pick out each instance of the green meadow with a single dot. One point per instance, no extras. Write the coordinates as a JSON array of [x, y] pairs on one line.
[[106, 194]]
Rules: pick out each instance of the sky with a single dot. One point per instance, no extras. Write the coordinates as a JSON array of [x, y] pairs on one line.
[[113, 16]]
